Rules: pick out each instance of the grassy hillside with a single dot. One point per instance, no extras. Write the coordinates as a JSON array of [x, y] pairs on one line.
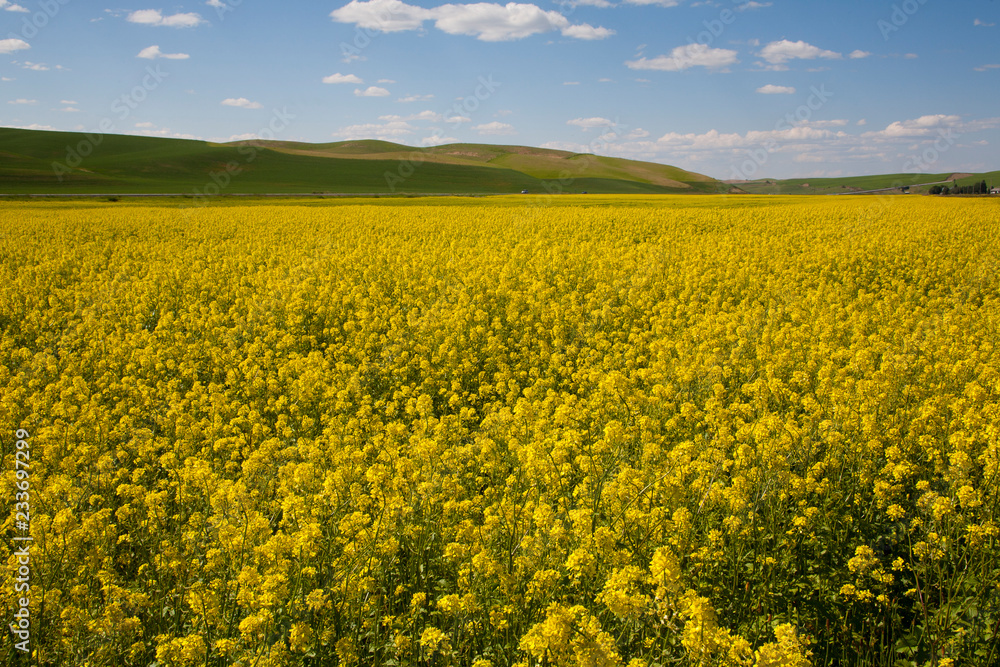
[[34, 162], [822, 186], [539, 163]]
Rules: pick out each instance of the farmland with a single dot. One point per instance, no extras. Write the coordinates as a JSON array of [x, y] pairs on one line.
[[638, 431]]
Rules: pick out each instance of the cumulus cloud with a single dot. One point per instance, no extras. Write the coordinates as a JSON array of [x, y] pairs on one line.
[[437, 140], [341, 78], [489, 22], [371, 91], [153, 52], [388, 131], [924, 126], [857, 54], [590, 123], [382, 15], [661, 3], [779, 53], [156, 17], [8, 6], [21, 100], [771, 89], [495, 128], [429, 116], [240, 103], [12, 45], [415, 98], [982, 24], [685, 57]]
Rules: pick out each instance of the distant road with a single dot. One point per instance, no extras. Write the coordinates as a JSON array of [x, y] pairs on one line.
[[898, 187]]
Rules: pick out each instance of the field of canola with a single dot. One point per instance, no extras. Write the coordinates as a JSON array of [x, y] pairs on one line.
[[741, 432]]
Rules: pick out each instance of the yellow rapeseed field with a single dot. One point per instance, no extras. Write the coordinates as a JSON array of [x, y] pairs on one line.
[[636, 432]]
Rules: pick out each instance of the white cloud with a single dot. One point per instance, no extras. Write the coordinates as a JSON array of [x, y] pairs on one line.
[[984, 24], [489, 22], [497, 23], [6, 78], [386, 81], [587, 31], [12, 45], [218, 4], [571, 83], [751, 4], [858, 54], [371, 91], [637, 133], [416, 98], [153, 52], [240, 103], [495, 128], [145, 126], [382, 15], [779, 53], [713, 139], [156, 17], [771, 89], [458, 119], [862, 122], [70, 109], [7, 6], [840, 122], [342, 78], [590, 123], [661, 3], [21, 100], [429, 116], [437, 140], [37, 67], [924, 126], [389, 131], [684, 57], [986, 68], [911, 56]]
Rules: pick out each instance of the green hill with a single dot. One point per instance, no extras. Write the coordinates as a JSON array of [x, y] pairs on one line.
[[42, 162], [848, 185]]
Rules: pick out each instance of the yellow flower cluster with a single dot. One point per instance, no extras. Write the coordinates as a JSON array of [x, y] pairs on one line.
[[646, 431]]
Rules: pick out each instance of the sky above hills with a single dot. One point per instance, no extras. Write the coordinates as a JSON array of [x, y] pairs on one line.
[[732, 89]]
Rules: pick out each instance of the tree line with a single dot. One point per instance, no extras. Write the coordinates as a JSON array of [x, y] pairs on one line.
[[975, 189]]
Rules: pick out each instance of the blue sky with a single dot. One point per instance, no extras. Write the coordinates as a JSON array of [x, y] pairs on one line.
[[728, 88]]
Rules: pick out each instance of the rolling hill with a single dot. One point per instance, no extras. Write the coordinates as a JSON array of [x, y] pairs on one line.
[[853, 184], [43, 162]]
